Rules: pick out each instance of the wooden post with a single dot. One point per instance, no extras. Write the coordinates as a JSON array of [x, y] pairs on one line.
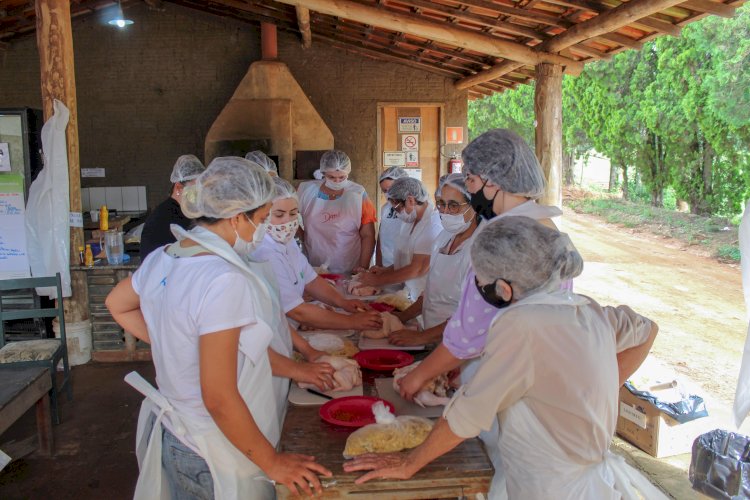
[[548, 111], [303, 22], [54, 38]]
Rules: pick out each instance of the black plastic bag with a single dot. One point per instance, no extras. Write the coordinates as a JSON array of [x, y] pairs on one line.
[[720, 465], [683, 411]]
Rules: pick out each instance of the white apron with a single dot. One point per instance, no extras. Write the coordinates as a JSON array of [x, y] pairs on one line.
[[525, 444], [332, 226], [390, 225], [404, 252], [443, 288], [234, 476]]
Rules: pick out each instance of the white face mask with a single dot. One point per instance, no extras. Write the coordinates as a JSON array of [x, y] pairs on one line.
[[245, 248], [408, 218], [284, 232], [454, 224], [337, 186]]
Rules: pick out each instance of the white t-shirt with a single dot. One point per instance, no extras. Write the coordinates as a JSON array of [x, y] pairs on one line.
[[419, 241], [291, 268], [182, 299]]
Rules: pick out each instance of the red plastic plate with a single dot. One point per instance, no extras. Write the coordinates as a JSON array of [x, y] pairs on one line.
[[382, 307], [351, 411], [331, 276], [383, 359]]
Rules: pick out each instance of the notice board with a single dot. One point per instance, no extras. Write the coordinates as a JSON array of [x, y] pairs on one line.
[[14, 260]]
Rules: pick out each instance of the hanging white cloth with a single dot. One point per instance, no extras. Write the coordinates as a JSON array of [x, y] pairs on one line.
[[332, 226], [234, 475], [48, 208], [742, 394]]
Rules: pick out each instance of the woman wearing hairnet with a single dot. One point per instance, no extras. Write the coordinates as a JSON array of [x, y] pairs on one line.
[[449, 264], [156, 232], [389, 221], [504, 179], [420, 226], [296, 277], [212, 426], [550, 372], [339, 217], [260, 158]]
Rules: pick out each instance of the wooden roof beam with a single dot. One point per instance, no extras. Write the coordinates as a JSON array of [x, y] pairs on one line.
[[450, 35], [606, 22], [718, 9], [303, 22]]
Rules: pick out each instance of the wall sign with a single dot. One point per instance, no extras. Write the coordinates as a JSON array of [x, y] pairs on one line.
[[454, 135], [412, 158], [410, 142], [406, 125], [14, 260], [414, 173], [92, 172], [394, 159]]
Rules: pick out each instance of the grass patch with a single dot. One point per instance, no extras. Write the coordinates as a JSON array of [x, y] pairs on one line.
[[718, 235]]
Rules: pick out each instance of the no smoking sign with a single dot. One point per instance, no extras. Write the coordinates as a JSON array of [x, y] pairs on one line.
[[410, 142]]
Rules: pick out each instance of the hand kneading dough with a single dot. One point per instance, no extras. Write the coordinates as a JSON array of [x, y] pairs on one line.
[[434, 392], [346, 377], [390, 324]]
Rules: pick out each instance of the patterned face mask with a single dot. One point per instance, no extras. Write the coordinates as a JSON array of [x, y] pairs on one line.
[[284, 232]]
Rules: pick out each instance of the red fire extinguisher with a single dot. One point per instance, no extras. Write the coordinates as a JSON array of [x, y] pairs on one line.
[[454, 164]]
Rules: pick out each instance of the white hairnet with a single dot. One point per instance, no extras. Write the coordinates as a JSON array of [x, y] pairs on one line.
[[503, 158], [392, 173], [283, 190], [456, 181], [186, 168], [335, 160], [407, 186], [229, 186], [532, 257], [263, 160]]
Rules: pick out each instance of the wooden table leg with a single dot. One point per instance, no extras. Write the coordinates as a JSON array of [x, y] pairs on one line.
[[44, 426]]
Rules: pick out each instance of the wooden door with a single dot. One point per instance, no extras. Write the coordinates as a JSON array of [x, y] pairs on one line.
[[413, 129]]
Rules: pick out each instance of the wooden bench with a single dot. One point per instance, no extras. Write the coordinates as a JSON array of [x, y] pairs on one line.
[[20, 389]]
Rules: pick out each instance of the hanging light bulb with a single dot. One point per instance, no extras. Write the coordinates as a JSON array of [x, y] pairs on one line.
[[119, 20]]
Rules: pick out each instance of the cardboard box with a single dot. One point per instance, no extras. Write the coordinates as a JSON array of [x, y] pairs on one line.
[[654, 432]]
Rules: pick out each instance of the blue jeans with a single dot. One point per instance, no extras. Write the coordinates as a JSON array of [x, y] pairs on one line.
[[187, 473]]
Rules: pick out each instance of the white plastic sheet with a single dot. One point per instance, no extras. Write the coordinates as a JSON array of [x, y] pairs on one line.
[[48, 208], [742, 395]]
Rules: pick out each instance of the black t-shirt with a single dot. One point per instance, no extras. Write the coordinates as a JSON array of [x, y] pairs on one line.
[[156, 231]]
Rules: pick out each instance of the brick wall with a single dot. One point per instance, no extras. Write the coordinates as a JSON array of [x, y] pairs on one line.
[[150, 93]]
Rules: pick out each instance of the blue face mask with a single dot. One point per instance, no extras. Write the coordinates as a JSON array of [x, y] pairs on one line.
[[489, 294]]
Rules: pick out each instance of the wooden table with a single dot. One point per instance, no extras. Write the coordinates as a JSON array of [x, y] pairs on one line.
[[20, 389], [464, 471]]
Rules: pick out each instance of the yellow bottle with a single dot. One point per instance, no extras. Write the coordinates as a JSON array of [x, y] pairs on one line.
[[89, 259], [104, 218]]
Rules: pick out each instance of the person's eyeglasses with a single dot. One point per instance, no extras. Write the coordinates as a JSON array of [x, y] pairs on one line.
[[451, 207]]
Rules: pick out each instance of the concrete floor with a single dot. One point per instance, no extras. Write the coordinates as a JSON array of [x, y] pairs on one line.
[[95, 445]]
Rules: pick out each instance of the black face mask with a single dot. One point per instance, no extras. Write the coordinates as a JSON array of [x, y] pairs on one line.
[[481, 204], [489, 294]]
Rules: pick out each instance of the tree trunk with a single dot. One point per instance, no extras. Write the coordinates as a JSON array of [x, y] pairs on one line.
[[568, 169], [612, 177], [625, 187]]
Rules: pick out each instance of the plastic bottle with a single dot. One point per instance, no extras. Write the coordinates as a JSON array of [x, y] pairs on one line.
[[89, 259], [81, 256], [104, 218]]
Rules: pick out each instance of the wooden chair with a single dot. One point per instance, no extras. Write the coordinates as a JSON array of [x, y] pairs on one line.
[[41, 351]]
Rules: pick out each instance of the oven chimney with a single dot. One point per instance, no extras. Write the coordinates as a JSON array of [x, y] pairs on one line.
[[268, 42]]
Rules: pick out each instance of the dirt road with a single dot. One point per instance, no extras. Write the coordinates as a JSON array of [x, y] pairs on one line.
[[696, 300]]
